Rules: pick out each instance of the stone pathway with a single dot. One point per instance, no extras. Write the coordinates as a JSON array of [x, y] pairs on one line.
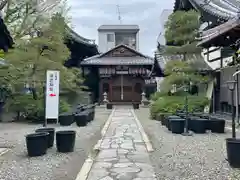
[[123, 155]]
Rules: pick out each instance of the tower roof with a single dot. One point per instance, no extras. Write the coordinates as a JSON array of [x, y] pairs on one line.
[[119, 27]]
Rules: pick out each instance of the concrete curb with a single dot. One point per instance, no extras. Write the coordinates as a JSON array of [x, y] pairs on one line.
[[83, 174], [104, 131], [144, 135], [87, 165], [4, 151]]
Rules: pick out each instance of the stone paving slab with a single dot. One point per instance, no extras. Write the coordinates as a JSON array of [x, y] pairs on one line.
[[123, 155]]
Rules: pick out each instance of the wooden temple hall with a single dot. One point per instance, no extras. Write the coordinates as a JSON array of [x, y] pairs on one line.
[[123, 73], [220, 40]]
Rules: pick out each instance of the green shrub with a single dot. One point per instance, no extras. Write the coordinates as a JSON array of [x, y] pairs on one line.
[[64, 106], [169, 104], [157, 95], [30, 108]]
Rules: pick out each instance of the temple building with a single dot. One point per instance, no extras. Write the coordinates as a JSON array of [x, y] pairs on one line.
[[219, 32], [122, 72]]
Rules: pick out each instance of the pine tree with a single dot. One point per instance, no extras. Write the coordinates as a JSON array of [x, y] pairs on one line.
[[30, 59], [181, 31], [28, 62]]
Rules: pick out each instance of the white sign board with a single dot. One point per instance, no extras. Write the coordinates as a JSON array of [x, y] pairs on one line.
[[52, 94]]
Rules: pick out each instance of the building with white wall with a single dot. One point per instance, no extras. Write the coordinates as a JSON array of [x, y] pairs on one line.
[[163, 19], [110, 36]]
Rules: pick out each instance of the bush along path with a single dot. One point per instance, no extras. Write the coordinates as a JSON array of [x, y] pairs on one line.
[[123, 154]]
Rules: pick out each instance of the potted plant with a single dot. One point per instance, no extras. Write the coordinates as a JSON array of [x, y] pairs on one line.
[[65, 118], [51, 135], [37, 143], [65, 141]]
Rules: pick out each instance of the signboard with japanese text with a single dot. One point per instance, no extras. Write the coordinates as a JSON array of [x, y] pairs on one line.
[[52, 94]]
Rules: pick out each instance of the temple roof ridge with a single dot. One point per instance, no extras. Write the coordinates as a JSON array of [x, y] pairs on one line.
[[80, 38], [224, 9]]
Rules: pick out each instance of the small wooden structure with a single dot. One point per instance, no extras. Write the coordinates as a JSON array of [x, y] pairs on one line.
[[123, 73]]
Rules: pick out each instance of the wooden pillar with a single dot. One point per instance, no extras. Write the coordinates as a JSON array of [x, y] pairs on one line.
[[110, 89], [100, 90], [133, 93]]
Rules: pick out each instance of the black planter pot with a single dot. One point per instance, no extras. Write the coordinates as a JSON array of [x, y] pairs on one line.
[[160, 117], [168, 121], [233, 149], [198, 125], [109, 106], [91, 115], [182, 115], [168, 125], [91, 112], [165, 119], [204, 116], [51, 135], [65, 141], [190, 118], [66, 119], [197, 114], [216, 125], [135, 106], [177, 126], [37, 143], [81, 119]]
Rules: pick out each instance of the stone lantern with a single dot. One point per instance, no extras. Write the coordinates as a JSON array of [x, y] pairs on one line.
[[144, 100], [105, 100]]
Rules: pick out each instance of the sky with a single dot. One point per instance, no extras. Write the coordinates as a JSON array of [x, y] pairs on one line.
[[88, 15]]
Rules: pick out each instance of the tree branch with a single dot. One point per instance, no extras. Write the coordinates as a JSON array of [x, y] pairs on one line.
[[3, 4]]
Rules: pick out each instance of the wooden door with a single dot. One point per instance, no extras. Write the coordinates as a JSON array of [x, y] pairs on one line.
[[116, 93], [137, 92], [127, 94]]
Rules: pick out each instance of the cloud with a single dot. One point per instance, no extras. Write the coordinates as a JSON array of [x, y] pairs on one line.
[[88, 15]]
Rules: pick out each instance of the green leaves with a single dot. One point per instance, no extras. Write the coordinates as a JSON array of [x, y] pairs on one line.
[[169, 104], [182, 27], [180, 73], [29, 60]]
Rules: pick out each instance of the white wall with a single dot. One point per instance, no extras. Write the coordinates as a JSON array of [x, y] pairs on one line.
[[103, 45], [213, 55], [159, 80], [137, 42]]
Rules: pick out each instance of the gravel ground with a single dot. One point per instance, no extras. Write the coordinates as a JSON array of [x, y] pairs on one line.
[[15, 165], [177, 157]]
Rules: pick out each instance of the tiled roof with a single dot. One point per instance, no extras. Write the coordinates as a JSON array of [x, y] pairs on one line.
[[103, 59], [225, 9], [80, 39], [95, 60], [218, 30], [197, 59]]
